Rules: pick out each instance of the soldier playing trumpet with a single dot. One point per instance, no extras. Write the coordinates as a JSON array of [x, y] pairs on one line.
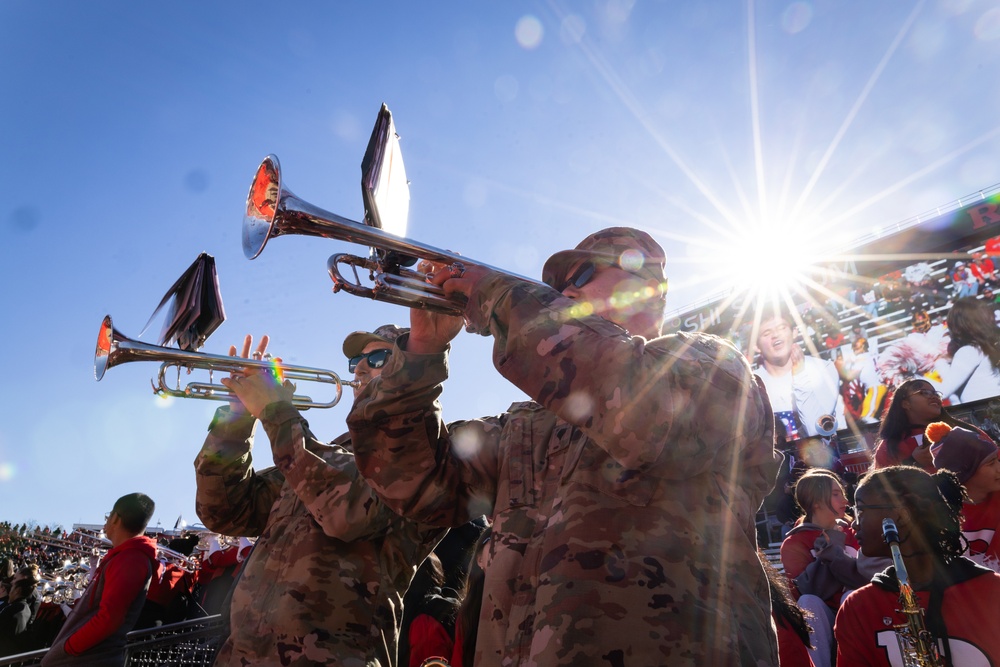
[[324, 582], [623, 495]]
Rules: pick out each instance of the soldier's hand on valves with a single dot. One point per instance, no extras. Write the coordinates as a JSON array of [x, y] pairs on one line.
[[236, 406], [430, 332], [259, 390]]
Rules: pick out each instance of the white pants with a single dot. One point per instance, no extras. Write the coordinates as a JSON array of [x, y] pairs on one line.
[[822, 629]]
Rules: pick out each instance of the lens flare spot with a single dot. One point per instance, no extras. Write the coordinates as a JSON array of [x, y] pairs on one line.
[[581, 309], [466, 444], [506, 88], [988, 26], [7, 472], [579, 405], [631, 260], [816, 453], [796, 17], [529, 32], [164, 401]]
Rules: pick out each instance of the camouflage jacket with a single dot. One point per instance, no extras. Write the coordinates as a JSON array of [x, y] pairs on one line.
[[623, 499], [325, 580]]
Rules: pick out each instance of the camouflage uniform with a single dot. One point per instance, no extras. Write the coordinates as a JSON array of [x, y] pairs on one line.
[[623, 500], [324, 583]]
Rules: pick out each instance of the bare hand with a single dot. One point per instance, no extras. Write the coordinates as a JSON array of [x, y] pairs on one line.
[[259, 390], [236, 406], [922, 455], [430, 332]]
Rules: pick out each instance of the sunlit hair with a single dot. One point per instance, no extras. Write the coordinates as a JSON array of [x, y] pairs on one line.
[[896, 425], [816, 486], [30, 572], [783, 606], [971, 322], [934, 503]]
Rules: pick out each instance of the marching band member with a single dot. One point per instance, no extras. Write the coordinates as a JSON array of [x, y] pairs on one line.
[[957, 598], [324, 583], [623, 496]]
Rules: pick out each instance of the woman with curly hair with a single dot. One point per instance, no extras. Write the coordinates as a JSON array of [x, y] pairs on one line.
[[915, 404], [974, 352], [957, 597]]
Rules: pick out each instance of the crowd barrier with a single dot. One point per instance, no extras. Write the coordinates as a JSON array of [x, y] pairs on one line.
[[191, 643]]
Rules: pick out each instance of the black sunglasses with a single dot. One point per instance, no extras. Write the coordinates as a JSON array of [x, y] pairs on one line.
[[376, 359], [583, 275]]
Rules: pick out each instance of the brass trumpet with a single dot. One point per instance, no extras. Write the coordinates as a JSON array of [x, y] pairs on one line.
[[113, 348], [272, 210]]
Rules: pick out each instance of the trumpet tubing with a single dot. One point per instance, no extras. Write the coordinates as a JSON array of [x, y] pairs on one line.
[[113, 349], [273, 210]]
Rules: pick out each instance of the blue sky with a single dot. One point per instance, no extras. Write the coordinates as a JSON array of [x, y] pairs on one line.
[[131, 131]]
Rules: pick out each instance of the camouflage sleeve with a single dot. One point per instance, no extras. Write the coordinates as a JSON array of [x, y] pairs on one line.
[[330, 487], [437, 474], [629, 396], [232, 498]]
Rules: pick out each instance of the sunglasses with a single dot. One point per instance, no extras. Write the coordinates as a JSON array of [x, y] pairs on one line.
[[926, 391], [376, 359], [583, 275]]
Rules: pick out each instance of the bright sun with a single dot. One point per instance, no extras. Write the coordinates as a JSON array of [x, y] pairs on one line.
[[770, 261]]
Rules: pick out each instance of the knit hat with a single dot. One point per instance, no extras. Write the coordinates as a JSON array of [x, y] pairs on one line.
[[357, 341], [631, 249], [958, 449]]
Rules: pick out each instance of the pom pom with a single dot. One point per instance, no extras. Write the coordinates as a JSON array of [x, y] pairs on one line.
[[936, 431]]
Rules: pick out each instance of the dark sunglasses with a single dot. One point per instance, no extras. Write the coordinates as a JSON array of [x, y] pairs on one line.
[[376, 359], [583, 275]]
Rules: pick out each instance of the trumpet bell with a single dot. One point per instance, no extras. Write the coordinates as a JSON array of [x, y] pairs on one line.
[[105, 342], [262, 203], [114, 348]]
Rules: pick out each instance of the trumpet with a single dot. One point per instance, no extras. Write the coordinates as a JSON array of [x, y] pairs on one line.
[[113, 348], [272, 210]]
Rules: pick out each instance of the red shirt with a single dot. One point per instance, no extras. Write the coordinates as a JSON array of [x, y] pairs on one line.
[[791, 651], [797, 553], [865, 636], [979, 526], [884, 459]]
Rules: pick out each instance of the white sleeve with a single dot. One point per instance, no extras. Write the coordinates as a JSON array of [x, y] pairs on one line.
[[954, 375], [817, 393]]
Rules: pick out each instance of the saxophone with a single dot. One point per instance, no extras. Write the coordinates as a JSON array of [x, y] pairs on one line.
[[917, 644]]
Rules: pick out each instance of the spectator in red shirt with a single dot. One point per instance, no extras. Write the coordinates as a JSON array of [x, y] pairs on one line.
[[94, 632], [819, 556], [973, 457], [957, 597]]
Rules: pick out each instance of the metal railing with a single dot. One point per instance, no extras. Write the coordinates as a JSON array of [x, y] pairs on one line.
[[191, 643]]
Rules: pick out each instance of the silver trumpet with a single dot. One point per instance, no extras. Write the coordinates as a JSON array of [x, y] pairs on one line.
[[113, 348], [272, 210]]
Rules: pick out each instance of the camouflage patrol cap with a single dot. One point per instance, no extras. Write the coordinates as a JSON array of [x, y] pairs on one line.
[[357, 341], [631, 249]]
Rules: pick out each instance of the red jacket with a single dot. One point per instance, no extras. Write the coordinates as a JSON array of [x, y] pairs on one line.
[[126, 571]]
